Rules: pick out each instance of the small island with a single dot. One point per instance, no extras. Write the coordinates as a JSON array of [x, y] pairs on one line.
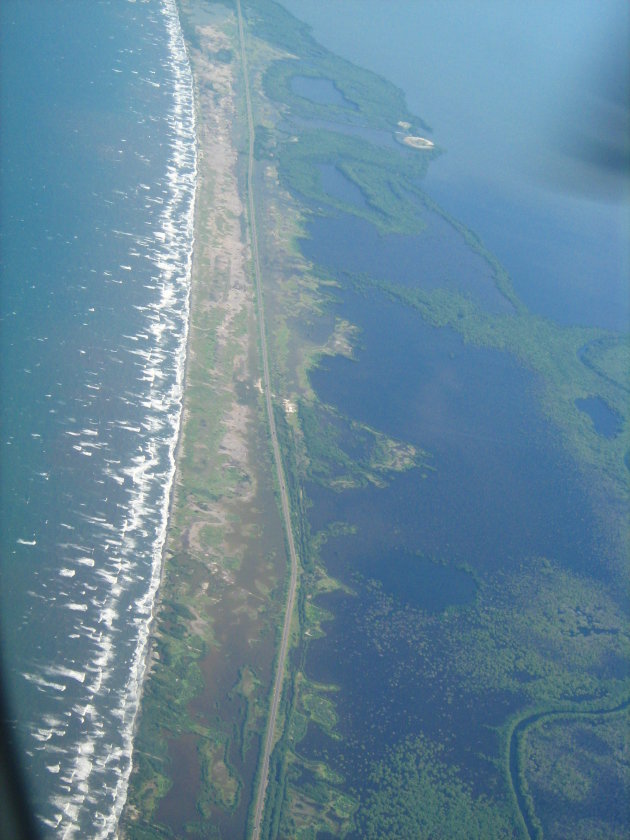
[[412, 140], [417, 142]]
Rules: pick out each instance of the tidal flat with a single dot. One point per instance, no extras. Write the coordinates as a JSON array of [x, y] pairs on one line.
[[461, 629]]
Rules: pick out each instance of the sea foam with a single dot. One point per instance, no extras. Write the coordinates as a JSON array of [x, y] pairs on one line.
[[111, 572]]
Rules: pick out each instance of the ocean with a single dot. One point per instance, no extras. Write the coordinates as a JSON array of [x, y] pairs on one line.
[[98, 177]]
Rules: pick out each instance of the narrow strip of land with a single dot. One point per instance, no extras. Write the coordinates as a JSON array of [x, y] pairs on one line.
[[259, 797]]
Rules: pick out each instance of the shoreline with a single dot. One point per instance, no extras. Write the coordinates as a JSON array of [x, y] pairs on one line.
[[220, 501], [177, 450], [206, 730], [144, 655]]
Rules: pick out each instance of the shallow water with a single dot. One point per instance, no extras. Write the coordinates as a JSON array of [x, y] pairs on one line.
[[498, 491], [318, 90], [438, 258], [335, 184], [502, 487], [509, 168], [606, 421]]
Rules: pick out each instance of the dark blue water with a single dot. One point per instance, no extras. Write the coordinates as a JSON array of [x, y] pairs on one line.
[[440, 258], [415, 581], [498, 85], [606, 421], [97, 174], [502, 489], [335, 184]]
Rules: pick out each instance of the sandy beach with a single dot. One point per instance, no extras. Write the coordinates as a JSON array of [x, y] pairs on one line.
[[224, 552]]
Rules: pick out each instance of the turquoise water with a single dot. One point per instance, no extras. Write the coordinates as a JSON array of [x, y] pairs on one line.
[[98, 176]]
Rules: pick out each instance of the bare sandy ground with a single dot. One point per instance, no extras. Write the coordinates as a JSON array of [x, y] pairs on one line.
[[222, 302]]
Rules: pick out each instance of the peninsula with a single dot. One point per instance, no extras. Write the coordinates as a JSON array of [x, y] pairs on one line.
[[378, 616]]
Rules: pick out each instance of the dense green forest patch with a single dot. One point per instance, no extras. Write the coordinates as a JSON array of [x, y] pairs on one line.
[[414, 792]]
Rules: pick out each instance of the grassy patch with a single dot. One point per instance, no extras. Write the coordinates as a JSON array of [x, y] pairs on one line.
[[388, 181], [555, 353], [344, 454]]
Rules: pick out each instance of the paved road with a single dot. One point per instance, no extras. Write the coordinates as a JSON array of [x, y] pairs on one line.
[[286, 513]]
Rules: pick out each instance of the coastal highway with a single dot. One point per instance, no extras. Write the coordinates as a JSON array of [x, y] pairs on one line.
[[259, 797]]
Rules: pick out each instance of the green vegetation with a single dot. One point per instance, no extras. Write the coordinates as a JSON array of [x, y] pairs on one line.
[[537, 637], [414, 792], [371, 99], [367, 99], [571, 765], [554, 353], [610, 358], [319, 710], [388, 181], [205, 696], [543, 631], [311, 798], [343, 454], [219, 784], [526, 666]]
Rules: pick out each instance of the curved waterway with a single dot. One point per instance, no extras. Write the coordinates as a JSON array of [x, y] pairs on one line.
[[517, 733], [97, 240]]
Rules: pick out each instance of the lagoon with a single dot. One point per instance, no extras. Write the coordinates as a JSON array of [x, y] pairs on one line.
[[463, 579], [559, 226]]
